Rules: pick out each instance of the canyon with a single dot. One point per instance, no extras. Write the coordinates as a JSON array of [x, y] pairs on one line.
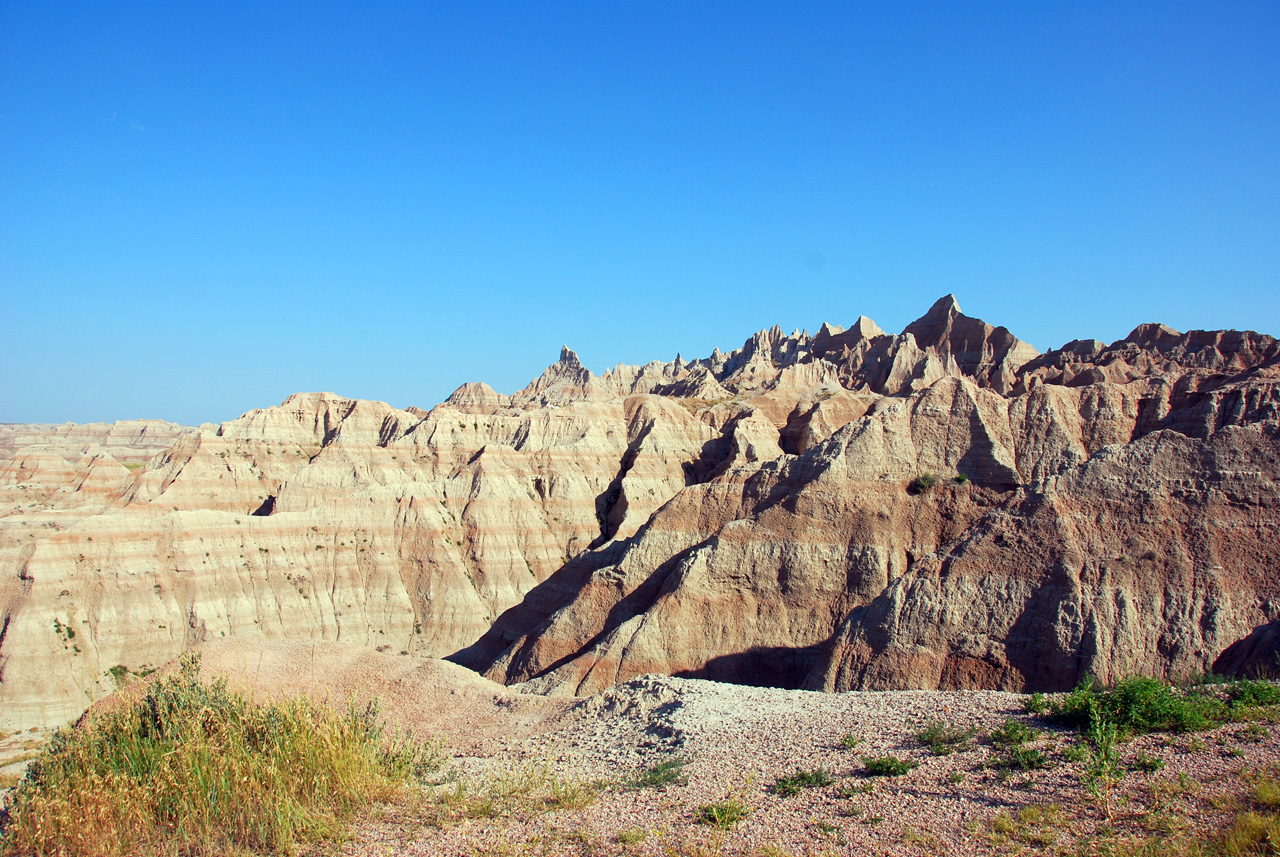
[[943, 508]]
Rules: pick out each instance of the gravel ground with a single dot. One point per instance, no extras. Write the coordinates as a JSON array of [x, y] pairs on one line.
[[739, 740]]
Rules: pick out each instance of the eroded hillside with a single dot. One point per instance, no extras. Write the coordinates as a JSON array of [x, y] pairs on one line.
[[763, 516]]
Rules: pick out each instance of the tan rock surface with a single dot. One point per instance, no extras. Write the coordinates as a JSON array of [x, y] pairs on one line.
[[744, 517]]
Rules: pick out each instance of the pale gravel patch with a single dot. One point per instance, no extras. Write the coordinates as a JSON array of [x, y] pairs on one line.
[[739, 740]]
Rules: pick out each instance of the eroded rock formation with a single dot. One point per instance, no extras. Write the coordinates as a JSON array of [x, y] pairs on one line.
[[938, 508]]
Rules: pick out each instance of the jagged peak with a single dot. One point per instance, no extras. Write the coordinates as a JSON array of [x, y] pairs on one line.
[[943, 308], [1145, 334], [569, 357], [830, 329], [867, 328], [474, 391]]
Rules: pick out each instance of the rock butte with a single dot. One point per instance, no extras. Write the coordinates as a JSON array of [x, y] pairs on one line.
[[755, 517]]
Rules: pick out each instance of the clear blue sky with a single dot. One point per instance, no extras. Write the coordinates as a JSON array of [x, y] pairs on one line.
[[205, 207]]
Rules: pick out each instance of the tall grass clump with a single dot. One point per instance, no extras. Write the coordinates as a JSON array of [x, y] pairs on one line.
[[194, 769]]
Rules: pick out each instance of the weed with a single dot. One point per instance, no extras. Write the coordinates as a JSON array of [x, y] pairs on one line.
[[1253, 733], [1103, 772], [1075, 753], [723, 815], [955, 777], [943, 738], [849, 742], [1251, 834], [634, 836], [1033, 825], [1265, 793], [794, 784], [1036, 703], [923, 483], [960, 478], [923, 840], [1147, 764], [668, 772], [887, 766], [526, 790], [1012, 733], [1021, 758]]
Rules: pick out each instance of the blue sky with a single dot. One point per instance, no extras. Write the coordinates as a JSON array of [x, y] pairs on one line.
[[207, 207]]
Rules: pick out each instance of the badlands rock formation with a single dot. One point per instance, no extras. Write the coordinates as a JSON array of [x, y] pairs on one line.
[[763, 516]]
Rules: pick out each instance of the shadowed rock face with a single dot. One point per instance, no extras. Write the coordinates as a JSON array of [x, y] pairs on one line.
[[1255, 656], [754, 516]]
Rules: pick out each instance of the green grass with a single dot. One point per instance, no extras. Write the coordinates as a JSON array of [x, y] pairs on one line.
[[887, 766], [723, 815], [800, 780], [668, 772], [944, 738], [194, 769]]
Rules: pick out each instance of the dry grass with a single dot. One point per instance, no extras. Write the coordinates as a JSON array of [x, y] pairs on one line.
[[520, 792], [194, 769]]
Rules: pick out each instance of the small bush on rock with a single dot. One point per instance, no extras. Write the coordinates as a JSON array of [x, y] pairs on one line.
[[943, 738], [888, 766], [792, 785], [668, 772], [924, 482], [1011, 733]]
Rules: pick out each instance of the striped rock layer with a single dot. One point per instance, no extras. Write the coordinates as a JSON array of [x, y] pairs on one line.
[[940, 508]]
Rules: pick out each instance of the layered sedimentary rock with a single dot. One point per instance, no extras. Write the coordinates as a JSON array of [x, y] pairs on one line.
[[854, 509], [1071, 523]]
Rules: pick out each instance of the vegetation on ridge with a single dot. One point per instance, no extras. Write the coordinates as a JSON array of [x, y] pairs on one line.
[[192, 768], [1139, 705]]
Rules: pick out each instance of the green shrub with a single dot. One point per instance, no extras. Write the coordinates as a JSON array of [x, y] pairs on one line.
[[1251, 693], [1036, 703], [1022, 758], [887, 766], [191, 768], [792, 785], [850, 741], [1012, 733], [1139, 705], [922, 483], [944, 738]]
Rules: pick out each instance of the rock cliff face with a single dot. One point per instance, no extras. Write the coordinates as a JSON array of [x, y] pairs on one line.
[[938, 508]]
